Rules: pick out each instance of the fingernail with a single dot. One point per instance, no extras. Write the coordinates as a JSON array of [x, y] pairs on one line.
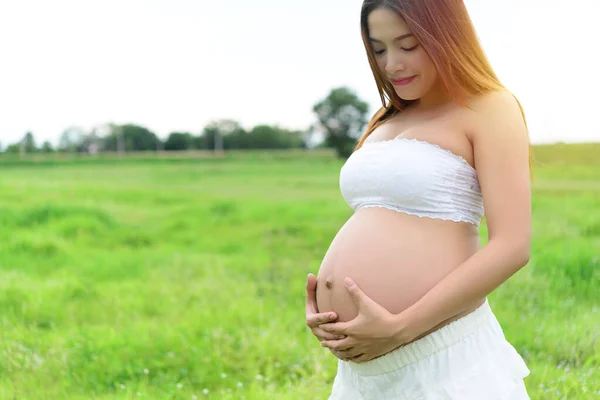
[[349, 282], [331, 316]]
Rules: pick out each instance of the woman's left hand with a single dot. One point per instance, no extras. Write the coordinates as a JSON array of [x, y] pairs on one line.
[[373, 333]]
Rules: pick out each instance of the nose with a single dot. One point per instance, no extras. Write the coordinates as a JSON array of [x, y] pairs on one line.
[[394, 63]]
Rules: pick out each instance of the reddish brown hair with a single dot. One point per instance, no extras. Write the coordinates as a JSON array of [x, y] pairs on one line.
[[445, 30]]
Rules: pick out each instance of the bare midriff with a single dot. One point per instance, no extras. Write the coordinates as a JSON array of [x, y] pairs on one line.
[[395, 258]]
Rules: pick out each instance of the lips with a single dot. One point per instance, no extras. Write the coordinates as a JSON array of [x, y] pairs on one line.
[[403, 81]]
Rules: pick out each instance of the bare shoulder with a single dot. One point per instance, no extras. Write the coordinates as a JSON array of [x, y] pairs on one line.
[[501, 153], [495, 113]]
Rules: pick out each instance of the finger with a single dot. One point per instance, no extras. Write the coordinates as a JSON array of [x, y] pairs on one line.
[[311, 282], [311, 294], [349, 352], [346, 356], [358, 358], [339, 328], [352, 354], [314, 320], [340, 354], [357, 295], [322, 335], [338, 345]]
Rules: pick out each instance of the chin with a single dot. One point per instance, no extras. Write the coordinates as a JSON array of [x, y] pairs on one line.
[[408, 96]]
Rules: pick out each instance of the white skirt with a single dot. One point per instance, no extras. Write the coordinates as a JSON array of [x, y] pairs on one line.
[[468, 359]]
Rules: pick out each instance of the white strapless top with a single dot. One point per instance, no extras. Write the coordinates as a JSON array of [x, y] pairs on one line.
[[414, 177]]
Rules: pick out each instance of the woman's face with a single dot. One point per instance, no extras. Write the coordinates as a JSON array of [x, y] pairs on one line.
[[399, 55]]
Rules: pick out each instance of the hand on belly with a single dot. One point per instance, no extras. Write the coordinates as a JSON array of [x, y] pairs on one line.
[[394, 262], [394, 259], [372, 333], [332, 295], [390, 286]]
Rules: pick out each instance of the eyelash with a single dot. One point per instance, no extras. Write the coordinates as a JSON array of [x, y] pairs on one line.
[[411, 49]]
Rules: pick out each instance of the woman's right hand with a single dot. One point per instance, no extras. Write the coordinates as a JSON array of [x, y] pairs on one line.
[[313, 317]]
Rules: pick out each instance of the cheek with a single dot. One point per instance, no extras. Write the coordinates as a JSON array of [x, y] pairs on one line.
[[427, 69], [422, 62], [381, 66]]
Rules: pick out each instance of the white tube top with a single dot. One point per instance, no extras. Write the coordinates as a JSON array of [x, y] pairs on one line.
[[414, 177]]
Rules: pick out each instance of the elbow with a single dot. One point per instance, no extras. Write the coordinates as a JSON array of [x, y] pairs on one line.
[[522, 253], [517, 253], [525, 255]]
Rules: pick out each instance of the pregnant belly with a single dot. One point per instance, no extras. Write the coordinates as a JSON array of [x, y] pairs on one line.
[[393, 257]]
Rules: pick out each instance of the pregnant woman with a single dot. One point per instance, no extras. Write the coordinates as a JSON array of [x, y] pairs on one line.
[[401, 296]]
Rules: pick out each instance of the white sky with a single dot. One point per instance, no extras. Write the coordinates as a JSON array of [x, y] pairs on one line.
[[177, 64]]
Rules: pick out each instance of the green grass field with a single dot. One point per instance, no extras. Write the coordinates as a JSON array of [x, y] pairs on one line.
[[183, 277]]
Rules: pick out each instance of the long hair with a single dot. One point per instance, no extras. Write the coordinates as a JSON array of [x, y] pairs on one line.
[[445, 30]]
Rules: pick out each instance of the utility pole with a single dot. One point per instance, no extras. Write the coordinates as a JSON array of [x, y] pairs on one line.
[[120, 140], [218, 143], [22, 148]]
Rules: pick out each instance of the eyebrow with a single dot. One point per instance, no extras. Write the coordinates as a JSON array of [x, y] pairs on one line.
[[398, 38]]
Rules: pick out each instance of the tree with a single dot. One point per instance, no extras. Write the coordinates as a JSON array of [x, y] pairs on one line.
[[130, 137], [264, 137], [272, 137], [342, 116], [218, 134], [71, 139], [13, 148], [47, 147], [88, 142], [296, 139], [179, 141], [199, 142], [28, 143]]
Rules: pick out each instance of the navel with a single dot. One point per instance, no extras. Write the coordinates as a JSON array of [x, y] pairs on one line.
[[329, 282]]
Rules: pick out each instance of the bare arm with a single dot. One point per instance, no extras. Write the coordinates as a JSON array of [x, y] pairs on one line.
[[501, 149]]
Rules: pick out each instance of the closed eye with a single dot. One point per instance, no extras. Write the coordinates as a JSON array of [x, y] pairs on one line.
[[380, 52]]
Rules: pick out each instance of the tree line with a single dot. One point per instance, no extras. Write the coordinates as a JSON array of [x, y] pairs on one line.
[[340, 117], [131, 137]]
